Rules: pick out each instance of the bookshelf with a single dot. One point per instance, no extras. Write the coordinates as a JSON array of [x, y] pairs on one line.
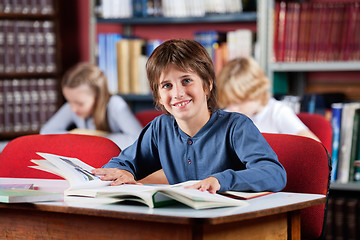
[[317, 76], [165, 28], [305, 71], [30, 64]]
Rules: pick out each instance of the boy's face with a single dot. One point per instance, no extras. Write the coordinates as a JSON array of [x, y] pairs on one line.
[[182, 94], [81, 100]]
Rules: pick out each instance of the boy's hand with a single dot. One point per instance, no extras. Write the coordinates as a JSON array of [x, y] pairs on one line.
[[210, 184], [119, 176]]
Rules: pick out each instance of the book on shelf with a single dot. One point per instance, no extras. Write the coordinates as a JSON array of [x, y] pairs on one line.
[[123, 65], [20, 195], [346, 135], [135, 52], [336, 109], [84, 183], [123, 60], [354, 145]]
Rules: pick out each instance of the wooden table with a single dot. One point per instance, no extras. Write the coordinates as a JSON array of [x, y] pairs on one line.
[[274, 216]]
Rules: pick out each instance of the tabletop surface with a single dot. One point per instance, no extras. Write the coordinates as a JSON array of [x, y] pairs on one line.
[[274, 203]]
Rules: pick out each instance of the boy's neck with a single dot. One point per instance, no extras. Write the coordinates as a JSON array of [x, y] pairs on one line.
[[193, 126]]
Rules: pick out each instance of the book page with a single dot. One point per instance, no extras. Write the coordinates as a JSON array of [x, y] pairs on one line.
[[73, 170]]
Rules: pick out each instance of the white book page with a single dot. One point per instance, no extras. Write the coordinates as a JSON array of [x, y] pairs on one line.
[[75, 171]]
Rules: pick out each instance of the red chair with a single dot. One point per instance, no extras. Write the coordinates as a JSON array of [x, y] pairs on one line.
[[320, 126], [307, 164], [15, 158], [146, 116]]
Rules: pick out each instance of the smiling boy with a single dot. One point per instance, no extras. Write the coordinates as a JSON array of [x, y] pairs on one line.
[[195, 140]]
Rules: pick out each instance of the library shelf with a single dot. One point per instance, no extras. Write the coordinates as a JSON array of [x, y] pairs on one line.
[[314, 66], [218, 18]]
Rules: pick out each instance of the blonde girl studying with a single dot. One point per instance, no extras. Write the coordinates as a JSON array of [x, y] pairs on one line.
[[195, 140], [243, 87], [91, 109]]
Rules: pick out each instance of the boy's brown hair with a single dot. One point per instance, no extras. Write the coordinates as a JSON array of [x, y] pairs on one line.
[[91, 75], [242, 79], [187, 56]]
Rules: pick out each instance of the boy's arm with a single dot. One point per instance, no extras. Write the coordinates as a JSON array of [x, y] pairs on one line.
[[140, 158], [263, 171]]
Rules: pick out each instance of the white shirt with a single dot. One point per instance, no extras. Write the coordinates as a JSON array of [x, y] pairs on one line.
[[277, 117]]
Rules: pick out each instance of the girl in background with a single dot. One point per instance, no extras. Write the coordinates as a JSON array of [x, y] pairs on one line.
[[91, 109], [243, 87]]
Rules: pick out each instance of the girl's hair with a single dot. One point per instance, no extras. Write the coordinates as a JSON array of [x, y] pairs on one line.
[[91, 75], [242, 79], [187, 56]]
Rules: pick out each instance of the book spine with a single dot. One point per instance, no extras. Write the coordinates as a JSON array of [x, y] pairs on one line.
[[52, 97], [49, 46], [34, 105], [2, 46], [2, 111], [21, 37], [31, 47], [9, 46], [8, 106], [354, 145], [336, 110], [43, 101], [25, 108], [16, 105]]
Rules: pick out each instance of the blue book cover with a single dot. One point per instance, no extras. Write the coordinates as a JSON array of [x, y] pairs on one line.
[[111, 61], [140, 8], [102, 52], [336, 109]]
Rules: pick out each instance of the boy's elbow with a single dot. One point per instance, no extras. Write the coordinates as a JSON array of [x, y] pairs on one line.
[[281, 180]]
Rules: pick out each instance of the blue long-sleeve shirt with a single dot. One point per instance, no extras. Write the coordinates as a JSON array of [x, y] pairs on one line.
[[229, 147], [124, 126]]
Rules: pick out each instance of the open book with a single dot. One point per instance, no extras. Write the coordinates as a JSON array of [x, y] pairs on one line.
[[84, 183]]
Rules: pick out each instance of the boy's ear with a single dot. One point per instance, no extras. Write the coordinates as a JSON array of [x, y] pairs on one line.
[[210, 87]]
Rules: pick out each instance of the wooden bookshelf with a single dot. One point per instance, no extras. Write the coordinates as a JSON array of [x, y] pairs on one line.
[[30, 66]]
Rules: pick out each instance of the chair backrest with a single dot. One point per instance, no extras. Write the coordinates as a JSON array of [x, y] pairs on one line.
[[320, 126], [15, 158], [307, 165], [146, 116]]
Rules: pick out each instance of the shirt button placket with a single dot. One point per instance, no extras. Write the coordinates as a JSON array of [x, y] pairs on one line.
[[189, 142]]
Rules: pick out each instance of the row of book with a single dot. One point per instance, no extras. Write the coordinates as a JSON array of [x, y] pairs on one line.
[[26, 104], [343, 218], [225, 46], [27, 46], [345, 121], [123, 59], [44, 7], [316, 31], [167, 8]]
